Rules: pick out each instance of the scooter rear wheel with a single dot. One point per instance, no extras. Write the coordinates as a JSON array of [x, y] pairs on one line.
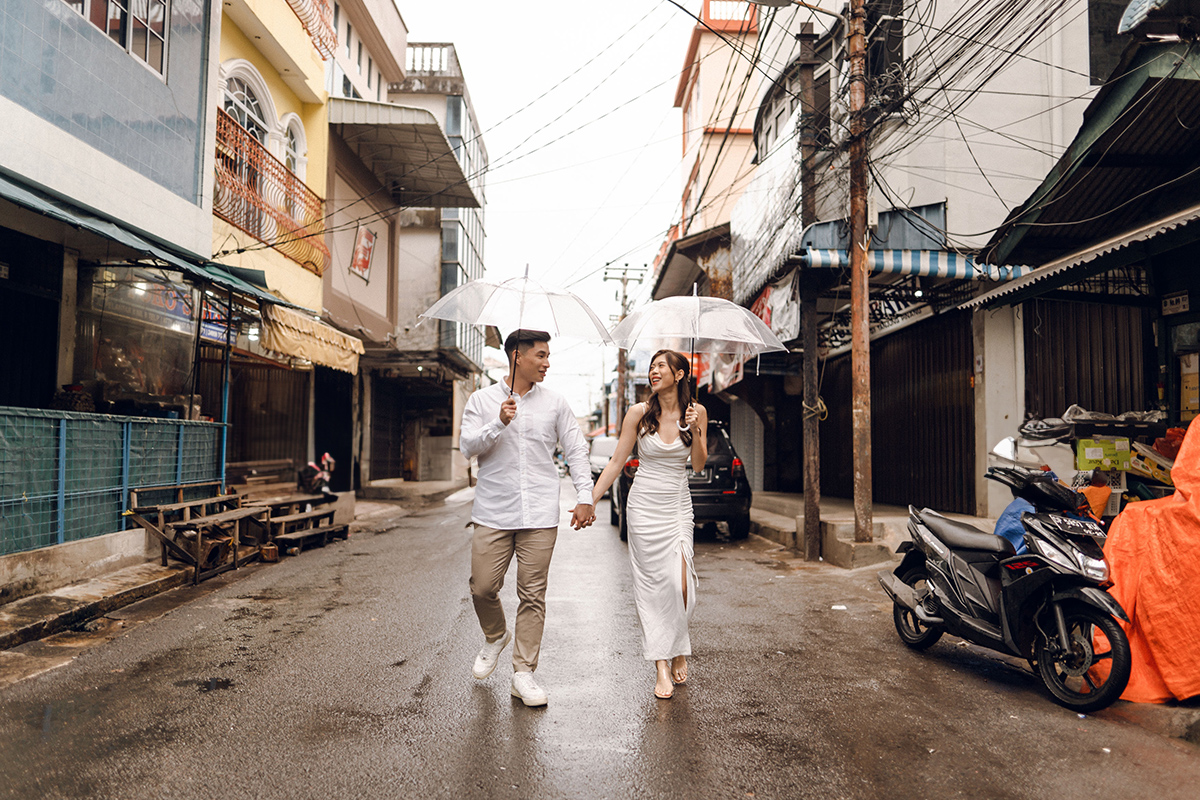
[[913, 632], [1090, 677]]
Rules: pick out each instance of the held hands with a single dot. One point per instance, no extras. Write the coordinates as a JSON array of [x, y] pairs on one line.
[[582, 516], [508, 411]]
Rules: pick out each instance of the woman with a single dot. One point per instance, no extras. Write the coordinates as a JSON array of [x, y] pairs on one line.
[[668, 428]]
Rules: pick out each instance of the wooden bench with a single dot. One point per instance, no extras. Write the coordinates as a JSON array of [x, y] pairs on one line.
[[261, 479], [294, 504], [181, 510], [206, 531], [303, 528]]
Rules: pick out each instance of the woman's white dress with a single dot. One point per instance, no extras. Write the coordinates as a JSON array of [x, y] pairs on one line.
[[660, 542]]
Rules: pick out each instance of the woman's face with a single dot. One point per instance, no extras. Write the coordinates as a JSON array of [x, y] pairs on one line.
[[662, 377]]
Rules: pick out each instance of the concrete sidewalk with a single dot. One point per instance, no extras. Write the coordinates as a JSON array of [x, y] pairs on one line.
[[779, 516], [70, 607]]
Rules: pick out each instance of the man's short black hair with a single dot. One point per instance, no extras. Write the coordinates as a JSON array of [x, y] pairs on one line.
[[523, 338]]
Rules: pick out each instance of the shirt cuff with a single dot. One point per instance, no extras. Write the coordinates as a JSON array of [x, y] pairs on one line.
[[585, 497]]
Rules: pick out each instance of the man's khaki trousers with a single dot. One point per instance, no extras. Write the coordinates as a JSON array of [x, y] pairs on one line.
[[491, 553]]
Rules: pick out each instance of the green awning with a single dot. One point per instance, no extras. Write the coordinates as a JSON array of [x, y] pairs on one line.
[[206, 272]]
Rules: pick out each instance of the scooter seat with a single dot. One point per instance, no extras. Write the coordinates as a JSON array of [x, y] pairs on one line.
[[960, 536]]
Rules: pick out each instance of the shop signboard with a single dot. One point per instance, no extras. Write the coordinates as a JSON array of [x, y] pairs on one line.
[[214, 322], [145, 297], [778, 305], [364, 248], [1174, 303]]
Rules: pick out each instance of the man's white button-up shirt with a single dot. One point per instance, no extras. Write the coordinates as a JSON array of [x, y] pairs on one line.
[[517, 487]]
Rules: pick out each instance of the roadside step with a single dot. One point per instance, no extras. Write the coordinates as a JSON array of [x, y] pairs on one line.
[[44, 614]]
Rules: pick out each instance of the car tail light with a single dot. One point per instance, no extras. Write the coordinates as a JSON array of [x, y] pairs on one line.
[[631, 467], [739, 469]]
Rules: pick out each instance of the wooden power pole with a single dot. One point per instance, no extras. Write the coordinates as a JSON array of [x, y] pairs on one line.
[[860, 342], [808, 301]]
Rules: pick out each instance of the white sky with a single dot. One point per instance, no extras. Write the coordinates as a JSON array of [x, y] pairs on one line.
[[605, 192]]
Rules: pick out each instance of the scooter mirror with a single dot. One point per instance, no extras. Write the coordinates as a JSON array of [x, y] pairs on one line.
[[1006, 448], [1010, 452]]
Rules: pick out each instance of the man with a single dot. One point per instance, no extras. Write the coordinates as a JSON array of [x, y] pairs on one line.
[[512, 428]]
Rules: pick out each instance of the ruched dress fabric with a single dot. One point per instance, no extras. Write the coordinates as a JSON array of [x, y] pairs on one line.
[[660, 542]]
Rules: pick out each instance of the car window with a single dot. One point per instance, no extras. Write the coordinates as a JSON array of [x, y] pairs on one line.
[[718, 444]]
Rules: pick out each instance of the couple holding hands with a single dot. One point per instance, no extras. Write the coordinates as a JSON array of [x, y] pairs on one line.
[[512, 428]]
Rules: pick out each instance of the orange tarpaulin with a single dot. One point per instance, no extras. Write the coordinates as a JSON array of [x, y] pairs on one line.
[[1153, 551]]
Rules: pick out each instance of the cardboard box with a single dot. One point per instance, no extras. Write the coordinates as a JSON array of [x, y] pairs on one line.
[[1109, 453]]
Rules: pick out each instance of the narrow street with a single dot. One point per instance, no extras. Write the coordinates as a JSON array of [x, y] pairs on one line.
[[345, 672]]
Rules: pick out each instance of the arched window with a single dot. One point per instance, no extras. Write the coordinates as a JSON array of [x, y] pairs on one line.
[[291, 151], [242, 104]]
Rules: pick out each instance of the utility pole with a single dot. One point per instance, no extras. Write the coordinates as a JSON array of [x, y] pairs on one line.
[[809, 290], [624, 275], [860, 342]]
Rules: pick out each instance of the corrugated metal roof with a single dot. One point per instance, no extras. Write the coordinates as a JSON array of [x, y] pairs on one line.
[[997, 296], [1135, 171]]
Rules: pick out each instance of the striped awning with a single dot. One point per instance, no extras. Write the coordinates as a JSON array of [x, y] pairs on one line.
[[925, 263]]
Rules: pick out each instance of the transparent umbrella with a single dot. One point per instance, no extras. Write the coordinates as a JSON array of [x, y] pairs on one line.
[[696, 325], [520, 303]]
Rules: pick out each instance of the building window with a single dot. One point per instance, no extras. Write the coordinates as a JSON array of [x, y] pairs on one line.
[[349, 33], [454, 114], [337, 13], [379, 89], [359, 61], [291, 151], [138, 26], [370, 69], [242, 104]]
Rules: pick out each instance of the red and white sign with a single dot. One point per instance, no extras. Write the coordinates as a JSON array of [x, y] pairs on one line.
[[364, 248]]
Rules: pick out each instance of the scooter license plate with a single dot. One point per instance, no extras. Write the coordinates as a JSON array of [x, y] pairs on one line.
[[1078, 527]]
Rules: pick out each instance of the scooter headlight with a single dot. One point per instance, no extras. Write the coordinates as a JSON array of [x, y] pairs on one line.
[[1052, 553], [1094, 568]]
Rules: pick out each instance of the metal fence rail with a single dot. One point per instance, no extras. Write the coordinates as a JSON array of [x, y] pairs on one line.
[[66, 475]]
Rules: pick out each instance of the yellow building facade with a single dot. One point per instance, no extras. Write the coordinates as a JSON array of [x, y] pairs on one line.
[[273, 143]]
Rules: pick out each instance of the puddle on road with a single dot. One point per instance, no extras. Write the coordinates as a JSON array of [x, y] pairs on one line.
[[207, 685]]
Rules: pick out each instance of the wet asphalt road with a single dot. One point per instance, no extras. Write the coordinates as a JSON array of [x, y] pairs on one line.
[[345, 672]]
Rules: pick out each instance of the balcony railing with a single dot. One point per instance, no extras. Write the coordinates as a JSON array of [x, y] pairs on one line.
[[317, 18], [258, 193]]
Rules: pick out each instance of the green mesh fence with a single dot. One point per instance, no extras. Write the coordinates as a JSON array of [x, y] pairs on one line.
[[66, 476]]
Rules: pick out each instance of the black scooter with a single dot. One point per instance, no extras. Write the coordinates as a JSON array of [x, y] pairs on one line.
[[1043, 605]]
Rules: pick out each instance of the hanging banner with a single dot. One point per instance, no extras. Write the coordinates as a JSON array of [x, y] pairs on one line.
[[364, 248], [778, 305]]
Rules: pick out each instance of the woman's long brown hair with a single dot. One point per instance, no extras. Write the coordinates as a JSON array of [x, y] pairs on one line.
[[683, 392]]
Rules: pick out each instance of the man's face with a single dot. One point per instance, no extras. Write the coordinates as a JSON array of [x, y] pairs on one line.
[[533, 362]]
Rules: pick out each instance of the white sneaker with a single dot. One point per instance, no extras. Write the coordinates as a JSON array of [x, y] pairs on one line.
[[526, 688], [489, 656]]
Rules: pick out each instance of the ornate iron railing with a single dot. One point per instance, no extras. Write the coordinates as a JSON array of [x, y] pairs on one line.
[[258, 193], [317, 18]]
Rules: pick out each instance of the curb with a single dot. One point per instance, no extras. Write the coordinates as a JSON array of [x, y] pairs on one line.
[[44, 615]]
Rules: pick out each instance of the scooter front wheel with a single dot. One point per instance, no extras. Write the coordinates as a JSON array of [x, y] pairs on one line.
[[1095, 671], [913, 632]]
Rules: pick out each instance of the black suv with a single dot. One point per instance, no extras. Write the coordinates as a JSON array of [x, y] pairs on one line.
[[720, 494]]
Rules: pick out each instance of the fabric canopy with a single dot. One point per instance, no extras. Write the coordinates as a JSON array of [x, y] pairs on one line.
[[924, 263], [294, 334], [1153, 551], [206, 272]]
